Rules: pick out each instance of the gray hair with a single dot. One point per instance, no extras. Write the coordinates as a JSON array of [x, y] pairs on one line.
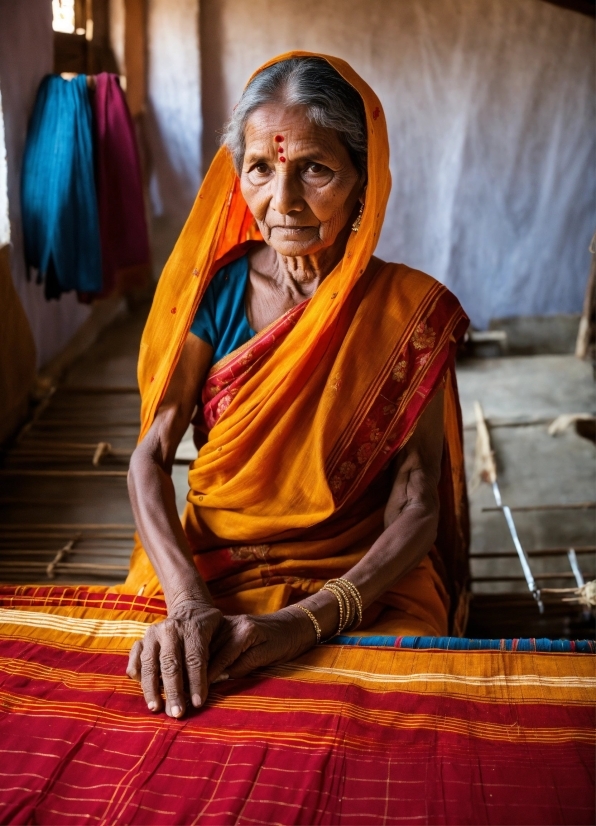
[[330, 101]]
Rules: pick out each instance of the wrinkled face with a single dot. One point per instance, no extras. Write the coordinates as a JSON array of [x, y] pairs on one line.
[[298, 180]]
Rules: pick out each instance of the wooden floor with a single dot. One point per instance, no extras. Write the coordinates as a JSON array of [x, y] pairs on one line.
[[64, 506]]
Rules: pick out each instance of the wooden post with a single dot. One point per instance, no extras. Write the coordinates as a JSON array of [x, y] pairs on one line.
[[586, 334], [135, 55]]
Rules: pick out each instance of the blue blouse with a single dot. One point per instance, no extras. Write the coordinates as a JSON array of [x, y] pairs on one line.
[[221, 318]]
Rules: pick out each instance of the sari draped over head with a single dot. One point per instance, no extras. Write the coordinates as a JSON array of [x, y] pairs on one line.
[[303, 421]]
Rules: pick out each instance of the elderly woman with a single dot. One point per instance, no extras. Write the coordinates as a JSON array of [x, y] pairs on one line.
[[328, 491]]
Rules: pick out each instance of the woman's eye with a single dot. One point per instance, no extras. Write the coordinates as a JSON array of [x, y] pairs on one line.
[[317, 173]]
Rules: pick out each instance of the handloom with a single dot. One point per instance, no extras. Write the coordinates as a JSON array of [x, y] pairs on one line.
[[358, 731]]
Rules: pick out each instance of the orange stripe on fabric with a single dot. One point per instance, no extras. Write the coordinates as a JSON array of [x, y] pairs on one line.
[[520, 689], [94, 714]]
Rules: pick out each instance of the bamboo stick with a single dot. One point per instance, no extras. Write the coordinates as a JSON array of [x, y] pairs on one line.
[[585, 332], [585, 549], [550, 507], [43, 449], [74, 526], [54, 446], [71, 566], [64, 473], [36, 415], [75, 412], [69, 455], [530, 421], [46, 551], [13, 501], [37, 544], [485, 470], [16, 536], [59, 557], [98, 389], [89, 566], [562, 575], [82, 423], [49, 454]]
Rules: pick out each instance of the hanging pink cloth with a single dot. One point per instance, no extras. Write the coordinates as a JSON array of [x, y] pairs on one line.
[[122, 219]]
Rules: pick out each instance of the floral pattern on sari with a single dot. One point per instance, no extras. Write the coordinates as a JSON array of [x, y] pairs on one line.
[[395, 407], [225, 561], [229, 374]]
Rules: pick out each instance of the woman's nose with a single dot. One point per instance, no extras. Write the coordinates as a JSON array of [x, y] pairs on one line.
[[286, 195]]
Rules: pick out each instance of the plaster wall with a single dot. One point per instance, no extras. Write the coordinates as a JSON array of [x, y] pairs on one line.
[[490, 107], [174, 121], [26, 55]]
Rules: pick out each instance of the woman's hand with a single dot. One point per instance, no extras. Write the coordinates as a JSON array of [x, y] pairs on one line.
[[176, 647], [244, 643]]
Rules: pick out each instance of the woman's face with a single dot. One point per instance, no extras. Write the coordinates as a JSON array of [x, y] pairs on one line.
[[298, 180]]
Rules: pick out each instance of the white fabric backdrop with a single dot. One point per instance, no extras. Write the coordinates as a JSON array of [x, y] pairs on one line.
[[490, 105]]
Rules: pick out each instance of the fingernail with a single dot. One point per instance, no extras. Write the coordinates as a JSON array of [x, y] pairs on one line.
[[152, 705], [196, 700], [176, 710], [221, 678]]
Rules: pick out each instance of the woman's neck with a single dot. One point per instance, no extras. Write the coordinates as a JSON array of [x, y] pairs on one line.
[[298, 277]]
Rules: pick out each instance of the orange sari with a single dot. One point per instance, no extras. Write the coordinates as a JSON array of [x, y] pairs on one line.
[[303, 421]]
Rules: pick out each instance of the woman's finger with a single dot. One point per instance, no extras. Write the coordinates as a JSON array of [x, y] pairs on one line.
[[256, 657], [150, 674], [240, 637], [170, 663], [219, 664], [195, 657], [220, 639], [133, 669]]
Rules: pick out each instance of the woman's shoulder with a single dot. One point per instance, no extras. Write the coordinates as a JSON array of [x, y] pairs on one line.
[[397, 272], [405, 291], [401, 277]]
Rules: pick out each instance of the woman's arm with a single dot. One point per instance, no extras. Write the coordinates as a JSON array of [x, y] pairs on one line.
[[150, 483], [192, 618], [411, 520]]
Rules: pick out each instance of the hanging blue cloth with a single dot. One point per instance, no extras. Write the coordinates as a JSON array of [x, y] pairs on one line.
[[58, 197]]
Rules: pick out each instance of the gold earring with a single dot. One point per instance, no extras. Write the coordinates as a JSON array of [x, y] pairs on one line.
[[358, 221]]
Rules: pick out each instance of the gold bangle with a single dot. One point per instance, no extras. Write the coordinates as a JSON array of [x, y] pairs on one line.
[[344, 605], [356, 594], [313, 619], [353, 601]]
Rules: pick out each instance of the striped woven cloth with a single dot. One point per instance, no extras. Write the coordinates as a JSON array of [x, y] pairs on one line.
[[358, 731]]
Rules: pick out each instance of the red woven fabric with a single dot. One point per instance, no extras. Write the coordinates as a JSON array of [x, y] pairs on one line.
[[345, 735]]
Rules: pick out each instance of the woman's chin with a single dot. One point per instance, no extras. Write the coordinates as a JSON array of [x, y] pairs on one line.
[[295, 247]]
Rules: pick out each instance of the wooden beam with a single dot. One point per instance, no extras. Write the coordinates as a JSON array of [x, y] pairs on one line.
[[584, 549], [569, 506]]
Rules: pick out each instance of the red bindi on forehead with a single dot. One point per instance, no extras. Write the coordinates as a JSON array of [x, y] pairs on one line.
[[278, 138]]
